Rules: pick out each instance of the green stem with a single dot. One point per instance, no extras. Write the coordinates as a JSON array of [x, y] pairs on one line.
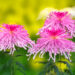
[[12, 65]]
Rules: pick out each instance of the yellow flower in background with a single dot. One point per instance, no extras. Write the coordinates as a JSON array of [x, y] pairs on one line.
[[36, 63], [61, 66], [52, 72]]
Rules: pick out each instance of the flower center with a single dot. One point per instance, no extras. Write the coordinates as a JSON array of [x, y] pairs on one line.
[[60, 15], [54, 37], [11, 28]]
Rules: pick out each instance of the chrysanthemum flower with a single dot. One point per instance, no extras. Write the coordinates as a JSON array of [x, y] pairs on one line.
[[55, 42], [13, 35], [60, 20]]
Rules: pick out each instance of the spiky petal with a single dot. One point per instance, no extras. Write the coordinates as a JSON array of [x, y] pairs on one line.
[[13, 35], [62, 20], [55, 42]]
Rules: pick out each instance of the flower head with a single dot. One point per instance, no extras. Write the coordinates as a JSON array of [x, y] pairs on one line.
[[55, 42], [60, 15], [13, 35], [60, 20]]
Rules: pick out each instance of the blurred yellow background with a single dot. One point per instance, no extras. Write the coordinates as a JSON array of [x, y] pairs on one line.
[[25, 12]]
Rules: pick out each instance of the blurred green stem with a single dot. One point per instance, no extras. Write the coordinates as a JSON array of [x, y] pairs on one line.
[[60, 65], [12, 65]]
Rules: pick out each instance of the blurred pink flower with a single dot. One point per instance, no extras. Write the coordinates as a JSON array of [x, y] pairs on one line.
[[60, 20], [55, 42], [13, 35]]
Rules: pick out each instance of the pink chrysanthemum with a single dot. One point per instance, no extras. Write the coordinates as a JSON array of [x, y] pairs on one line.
[[61, 20], [55, 42], [13, 35]]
